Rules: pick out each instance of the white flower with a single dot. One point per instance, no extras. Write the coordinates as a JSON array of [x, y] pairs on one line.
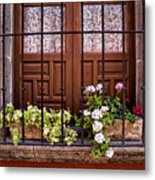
[[99, 137], [90, 88], [86, 113], [110, 153], [97, 114], [97, 126], [104, 108], [99, 87]]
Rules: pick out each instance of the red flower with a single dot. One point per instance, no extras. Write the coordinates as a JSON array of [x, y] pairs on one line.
[[137, 110]]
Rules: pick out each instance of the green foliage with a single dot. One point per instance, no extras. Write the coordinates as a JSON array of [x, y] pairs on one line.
[[97, 118], [32, 117], [9, 110], [94, 101], [100, 149], [15, 137], [131, 117], [52, 132], [115, 107], [116, 110]]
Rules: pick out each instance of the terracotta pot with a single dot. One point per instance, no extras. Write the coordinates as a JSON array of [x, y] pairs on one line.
[[1, 134], [31, 132], [133, 131]]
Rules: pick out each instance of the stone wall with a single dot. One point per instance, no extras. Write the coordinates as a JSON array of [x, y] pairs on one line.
[[0, 55], [139, 53], [8, 52]]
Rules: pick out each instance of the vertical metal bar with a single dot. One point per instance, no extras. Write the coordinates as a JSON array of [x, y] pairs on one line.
[[22, 59], [4, 88], [143, 71], [42, 71], [123, 72], [103, 51], [82, 74], [62, 85]]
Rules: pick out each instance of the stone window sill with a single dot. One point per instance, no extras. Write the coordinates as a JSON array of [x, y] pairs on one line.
[[70, 157]]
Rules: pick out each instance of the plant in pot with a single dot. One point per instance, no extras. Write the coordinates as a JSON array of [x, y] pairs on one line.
[[97, 119], [9, 116], [53, 132], [52, 125], [133, 123], [104, 121]]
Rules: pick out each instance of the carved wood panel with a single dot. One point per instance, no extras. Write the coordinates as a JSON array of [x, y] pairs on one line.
[[113, 66]]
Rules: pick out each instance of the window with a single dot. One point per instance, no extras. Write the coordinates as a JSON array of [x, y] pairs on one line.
[[60, 49]]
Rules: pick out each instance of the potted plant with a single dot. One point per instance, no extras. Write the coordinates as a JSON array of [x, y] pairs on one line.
[[104, 120], [51, 129]]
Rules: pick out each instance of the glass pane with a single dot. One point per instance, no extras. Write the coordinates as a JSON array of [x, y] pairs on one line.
[[92, 42], [52, 23], [92, 17], [113, 17], [93, 22], [32, 44], [32, 19], [113, 42]]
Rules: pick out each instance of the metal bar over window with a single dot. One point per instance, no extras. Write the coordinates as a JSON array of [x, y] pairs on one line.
[[74, 32], [103, 51], [82, 74], [123, 72], [3, 64], [62, 78], [143, 71], [42, 70], [22, 82]]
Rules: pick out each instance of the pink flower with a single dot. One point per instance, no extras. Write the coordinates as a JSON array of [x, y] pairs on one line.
[[137, 110], [119, 86]]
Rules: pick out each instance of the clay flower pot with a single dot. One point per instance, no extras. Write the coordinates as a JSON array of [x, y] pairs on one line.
[[31, 132], [133, 131]]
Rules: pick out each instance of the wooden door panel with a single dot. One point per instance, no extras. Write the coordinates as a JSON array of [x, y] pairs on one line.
[[56, 79], [52, 80], [51, 64], [28, 92], [113, 66]]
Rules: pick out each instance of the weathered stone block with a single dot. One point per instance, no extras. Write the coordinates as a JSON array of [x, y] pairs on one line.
[[57, 154], [133, 131]]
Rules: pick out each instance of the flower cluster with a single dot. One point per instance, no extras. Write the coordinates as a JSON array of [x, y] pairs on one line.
[[99, 137], [119, 86], [93, 89], [104, 108], [97, 114], [86, 112], [90, 89], [96, 117], [137, 110], [97, 126]]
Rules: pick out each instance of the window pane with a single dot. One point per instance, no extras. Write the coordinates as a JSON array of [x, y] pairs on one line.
[[113, 17], [93, 22], [32, 19], [52, 23]]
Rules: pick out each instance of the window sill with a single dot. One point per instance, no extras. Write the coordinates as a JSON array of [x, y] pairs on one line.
[[70, 157]]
